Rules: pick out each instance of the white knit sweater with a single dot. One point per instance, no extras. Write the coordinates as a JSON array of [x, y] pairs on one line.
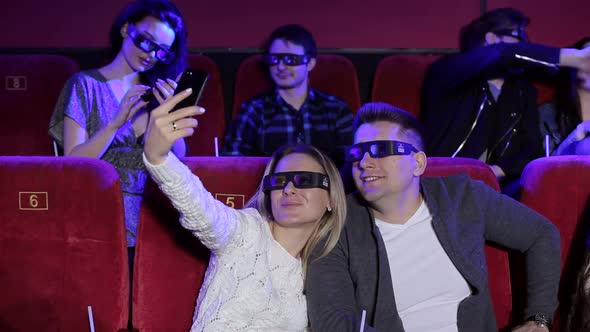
[[252, 283]]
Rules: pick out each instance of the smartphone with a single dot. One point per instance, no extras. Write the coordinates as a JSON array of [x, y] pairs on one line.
[[191, 78]]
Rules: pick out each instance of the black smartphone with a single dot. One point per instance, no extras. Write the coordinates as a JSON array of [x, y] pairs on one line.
[[191, 78]]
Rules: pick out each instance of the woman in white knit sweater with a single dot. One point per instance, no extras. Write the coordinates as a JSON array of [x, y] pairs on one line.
[[254, 281]]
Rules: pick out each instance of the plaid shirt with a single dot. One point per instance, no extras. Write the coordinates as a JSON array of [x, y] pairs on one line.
[[267, 122]]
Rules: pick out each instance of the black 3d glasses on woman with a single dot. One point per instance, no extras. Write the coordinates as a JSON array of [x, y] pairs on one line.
[[302, 180], [288, 59], [378, 149], [147, 45]]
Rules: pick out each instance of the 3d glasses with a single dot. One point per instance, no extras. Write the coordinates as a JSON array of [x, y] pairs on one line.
[[378, 149], [302, 180], [288, 59], [519, 34], [147, 45]]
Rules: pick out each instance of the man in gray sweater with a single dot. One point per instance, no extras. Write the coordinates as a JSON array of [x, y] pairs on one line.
[[411, 254]]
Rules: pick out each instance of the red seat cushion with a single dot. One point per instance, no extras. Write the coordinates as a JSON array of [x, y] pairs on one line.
[[170, 262], [62, 234], [559, 189]]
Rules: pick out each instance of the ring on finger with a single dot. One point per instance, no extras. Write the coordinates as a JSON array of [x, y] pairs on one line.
[[174, 126]]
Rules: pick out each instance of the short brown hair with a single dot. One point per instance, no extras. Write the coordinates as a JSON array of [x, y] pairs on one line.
[[379, 111]]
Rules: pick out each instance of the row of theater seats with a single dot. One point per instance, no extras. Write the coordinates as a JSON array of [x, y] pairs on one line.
[[62, 239], [32, 84]]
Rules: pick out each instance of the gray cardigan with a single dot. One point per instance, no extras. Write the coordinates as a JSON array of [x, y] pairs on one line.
[[355, 275]]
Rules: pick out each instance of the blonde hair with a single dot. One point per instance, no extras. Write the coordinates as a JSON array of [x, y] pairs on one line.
[[331, 223]]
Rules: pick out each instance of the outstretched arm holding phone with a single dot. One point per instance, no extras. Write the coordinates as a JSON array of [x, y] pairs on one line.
[[166, 127]]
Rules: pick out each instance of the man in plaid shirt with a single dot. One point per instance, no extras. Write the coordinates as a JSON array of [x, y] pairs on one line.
[[293, 112]]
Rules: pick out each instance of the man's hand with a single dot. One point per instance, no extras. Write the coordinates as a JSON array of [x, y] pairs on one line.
[[584, 79], [584, 60], [574, 58], [582, 130], [498, 172], [530, 327]]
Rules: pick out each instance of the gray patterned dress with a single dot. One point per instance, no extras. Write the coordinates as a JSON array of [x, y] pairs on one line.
[[89, 101]]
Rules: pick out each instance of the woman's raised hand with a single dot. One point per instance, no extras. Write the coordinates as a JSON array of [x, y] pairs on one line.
[[130, 104], [164, 128], [164, 89]]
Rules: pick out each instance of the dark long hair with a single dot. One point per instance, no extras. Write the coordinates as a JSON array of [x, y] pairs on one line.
[[164, 11], [574, 289], [473, 34], [578, 318], [567, 99]]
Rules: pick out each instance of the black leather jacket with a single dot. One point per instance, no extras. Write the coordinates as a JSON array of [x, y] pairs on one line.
[[507, 129]]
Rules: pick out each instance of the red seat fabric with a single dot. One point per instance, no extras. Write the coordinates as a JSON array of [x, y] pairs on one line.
[[63, 245], [546, 92], [398, 80], [170, 262], [212, 123], [30, 87], [477, 170], [497, 259], [559, 189], [333, 74]]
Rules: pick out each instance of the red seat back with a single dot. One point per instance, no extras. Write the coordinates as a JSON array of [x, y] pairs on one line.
[[30, 87], [497, 259], [170, 262], [546, 91], [398, 80], [333, 74], [212, 123], [559, 189], [62, 234]]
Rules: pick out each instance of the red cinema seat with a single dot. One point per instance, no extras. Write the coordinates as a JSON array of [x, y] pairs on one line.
[[333, 74], [212, 123], [30, 87], [497, 259], [63, 245], [170, 262], [398, 80], [559, 189], [546, 92]]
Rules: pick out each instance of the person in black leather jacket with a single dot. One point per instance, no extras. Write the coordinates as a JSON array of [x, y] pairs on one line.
[[478, 103]]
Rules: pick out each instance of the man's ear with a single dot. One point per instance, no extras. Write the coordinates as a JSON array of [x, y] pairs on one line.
[[311, 64], [491, 38], [421, 162], [124, 30]]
